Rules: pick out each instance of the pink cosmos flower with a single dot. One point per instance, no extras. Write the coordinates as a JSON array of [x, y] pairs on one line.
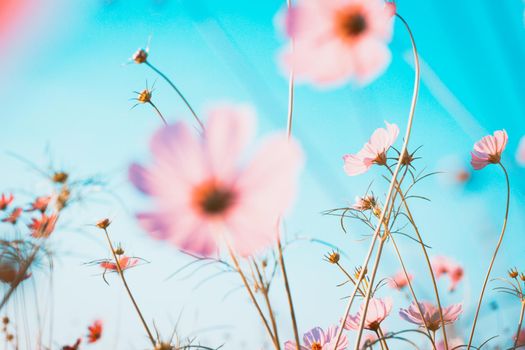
[[13, 217], [378, 310], [488, 150], [339, 40], [430, 314], [399, 280], [201, 190], [40, 204], [520, 154], [373, 152], [318, 339], [5, 201], [443, 265], [43, 227]]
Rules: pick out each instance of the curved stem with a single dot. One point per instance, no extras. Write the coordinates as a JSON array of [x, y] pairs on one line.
[[158, 113], [178, 93], [487, 276], [519, 323], [291, 83], [390, 190], [128, 290], [251, 295]]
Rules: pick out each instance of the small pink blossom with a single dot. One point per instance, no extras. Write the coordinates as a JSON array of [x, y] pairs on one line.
[[489, 149], [378, 310], [13, 217], [40, 204], [399, 280], [373, 152], [318, 339], [520, 154], [443, 265], [201, 190], [339, 40], [430, 314], [5, 201]]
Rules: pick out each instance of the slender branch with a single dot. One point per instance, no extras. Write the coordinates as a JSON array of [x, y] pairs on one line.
[[291, 83], [252, 296], [128, 290], [158, 112], [519, 323], [487, 276], [288, 293], [178, 93]]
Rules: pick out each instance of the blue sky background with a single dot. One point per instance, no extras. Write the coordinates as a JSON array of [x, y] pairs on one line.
[[65, 96]]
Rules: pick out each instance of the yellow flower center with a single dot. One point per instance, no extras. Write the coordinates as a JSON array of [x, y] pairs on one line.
[[212, 198]]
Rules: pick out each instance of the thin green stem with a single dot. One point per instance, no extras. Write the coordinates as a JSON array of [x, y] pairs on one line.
[[158, 112], [197, 119], [128, 290], [487, 276]]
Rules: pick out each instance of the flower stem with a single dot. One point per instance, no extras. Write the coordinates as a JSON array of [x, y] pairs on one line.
[[381, 336], [519, 324], [291, 83], [487, 276], [251, 295], [178, 93], [128, 290], [158, 112]]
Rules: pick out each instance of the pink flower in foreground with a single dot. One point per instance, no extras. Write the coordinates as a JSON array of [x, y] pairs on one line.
[[373, 152], [318, 339], [13, 217], [520, 154], [399, 280], [40, 204], [430, 314], [339, 40], [378, 310], [446, 266], [5, 201], [521, 337], [488, 150], [200, 189]]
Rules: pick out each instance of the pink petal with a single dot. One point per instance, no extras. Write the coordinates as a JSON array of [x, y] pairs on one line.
[[372, 57]]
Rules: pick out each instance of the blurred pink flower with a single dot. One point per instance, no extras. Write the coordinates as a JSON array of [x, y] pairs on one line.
[[521, 337], [443, 265], [488, 150], [125, 262], [200, 189], [520, 154], [453, 344], [318, 339], [14, 216], [399, 280], [339, 40], [430, 314], [378, 310], [43, 227], [40, 204], [373, 152], [5, 201]]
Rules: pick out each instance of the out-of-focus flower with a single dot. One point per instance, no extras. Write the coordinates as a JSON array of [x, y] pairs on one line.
[[378, 310], [94, 332], [43, 227], [40, 204], [200, 188], [103, 224], [443, 265], [488, 150], [60, 177], [75, 346], [430, 314], [367, 202], [5, 201], [13, 217], [520, 153], [399, 280], [336, 41], [373, 152], [317, 339], [125, 262], [453, 344]]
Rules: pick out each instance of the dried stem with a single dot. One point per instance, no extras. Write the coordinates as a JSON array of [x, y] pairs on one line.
[[487, 276], [519, 323], [288, 293], [128, 290], [252, 296], [178, 93]]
